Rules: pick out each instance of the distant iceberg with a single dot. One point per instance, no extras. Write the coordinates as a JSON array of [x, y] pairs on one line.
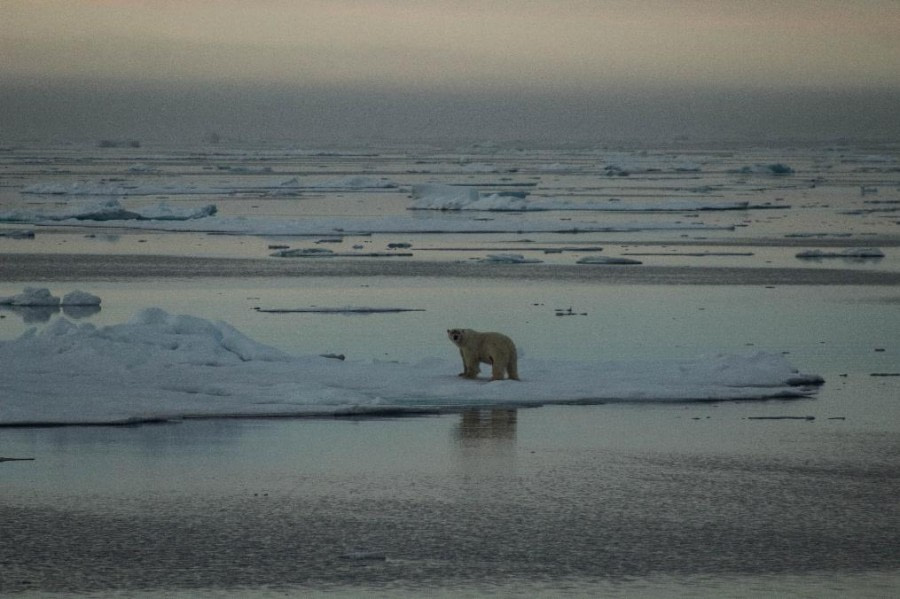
[[159, 366]]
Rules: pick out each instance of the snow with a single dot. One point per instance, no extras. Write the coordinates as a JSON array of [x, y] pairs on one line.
[[449, 197], [159, 366]]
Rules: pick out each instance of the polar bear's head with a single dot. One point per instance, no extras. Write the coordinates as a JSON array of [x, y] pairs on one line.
[[457, 336]]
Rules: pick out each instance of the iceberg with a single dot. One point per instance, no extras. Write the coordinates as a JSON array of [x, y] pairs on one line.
[[159, 367]]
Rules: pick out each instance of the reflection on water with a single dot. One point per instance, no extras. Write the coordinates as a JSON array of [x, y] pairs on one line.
[[487, 424], [484, 441], [77, 312], [242, 508], [32, 314]]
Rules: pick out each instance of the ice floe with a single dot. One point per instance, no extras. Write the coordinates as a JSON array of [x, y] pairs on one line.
[[159, 366], [607, 260], [143, 188], [509, 259], [17, 234], [41, 296], [109, 210], [452, 198], [106, 188], [856, 253], [776, 168]]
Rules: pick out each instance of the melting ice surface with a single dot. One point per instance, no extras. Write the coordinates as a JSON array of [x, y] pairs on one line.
[[162, 366]]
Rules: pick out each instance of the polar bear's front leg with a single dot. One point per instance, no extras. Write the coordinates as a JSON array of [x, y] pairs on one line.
[[470, 365]]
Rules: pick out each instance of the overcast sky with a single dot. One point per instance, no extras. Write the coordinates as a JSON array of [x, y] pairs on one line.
[[413, 69]]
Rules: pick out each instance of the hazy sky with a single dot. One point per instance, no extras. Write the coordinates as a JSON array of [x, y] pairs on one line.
[[396, 68]]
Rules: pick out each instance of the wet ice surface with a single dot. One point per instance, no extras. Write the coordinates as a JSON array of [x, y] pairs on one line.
[[611, 500]]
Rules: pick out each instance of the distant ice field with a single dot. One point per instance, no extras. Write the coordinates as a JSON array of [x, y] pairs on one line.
[[358, 201]]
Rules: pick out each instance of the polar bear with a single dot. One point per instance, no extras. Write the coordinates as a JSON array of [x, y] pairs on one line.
[[491, 348]]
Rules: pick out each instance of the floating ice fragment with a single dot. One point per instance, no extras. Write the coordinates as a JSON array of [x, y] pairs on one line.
[[80, 298], [31, 296], [443, 197], [509, 259], [606, 260], [776, 168], [111, 210], [448, 197], [858, 253]]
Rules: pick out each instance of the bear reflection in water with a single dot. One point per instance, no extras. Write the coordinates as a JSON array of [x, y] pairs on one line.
[[497, 423]]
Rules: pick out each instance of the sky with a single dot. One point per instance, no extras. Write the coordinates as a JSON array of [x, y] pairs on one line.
[[411, 70]]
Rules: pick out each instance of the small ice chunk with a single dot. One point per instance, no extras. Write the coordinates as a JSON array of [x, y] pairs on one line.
[[80, 298], [303, 253], [443, 197], [607, 260], [32, 296], [847, 253], [509, 259]]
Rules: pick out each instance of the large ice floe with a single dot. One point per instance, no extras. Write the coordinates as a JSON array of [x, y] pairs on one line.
[[159, 366]]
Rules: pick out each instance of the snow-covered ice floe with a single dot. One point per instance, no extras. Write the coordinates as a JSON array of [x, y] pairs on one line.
[[41, 297], [109, 210], [159, 366], [454, 198]]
